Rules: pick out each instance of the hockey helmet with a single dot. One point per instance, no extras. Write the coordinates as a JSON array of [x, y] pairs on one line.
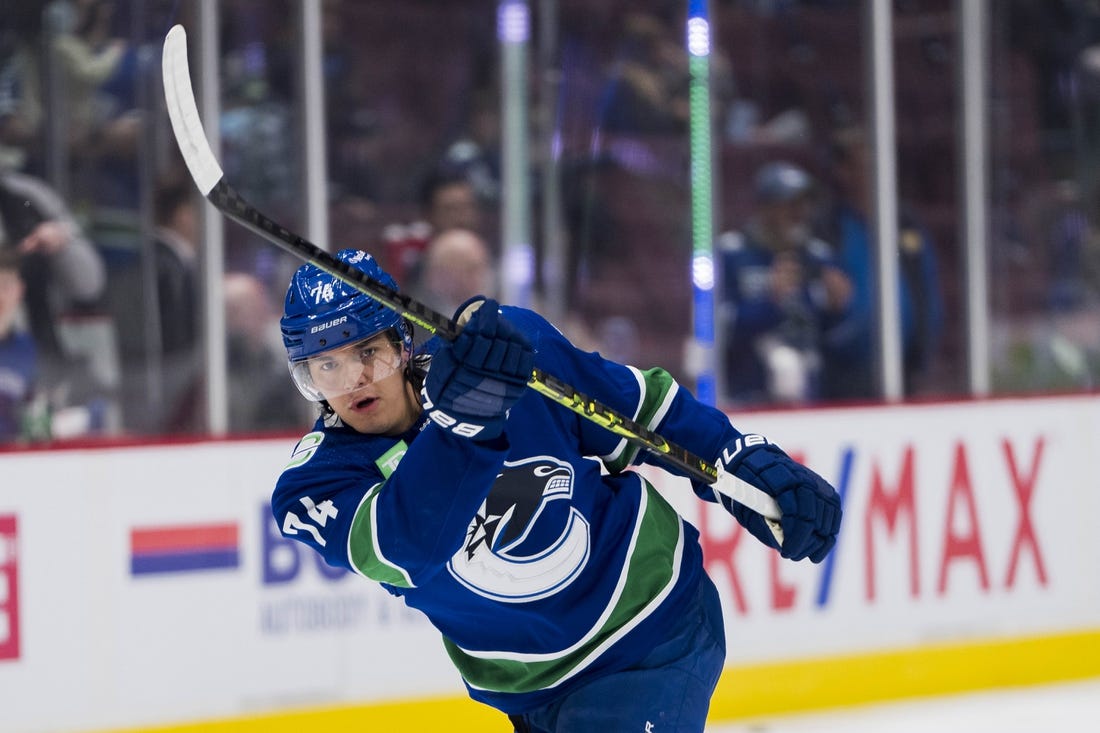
[[323, 315]]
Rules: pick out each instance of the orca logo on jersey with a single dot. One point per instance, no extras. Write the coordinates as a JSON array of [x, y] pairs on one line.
[[523, 544]]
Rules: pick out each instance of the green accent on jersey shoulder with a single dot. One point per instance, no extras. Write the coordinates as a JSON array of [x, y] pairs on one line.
[[650, 571], [387, 462], [305, 449], [363, 551], [658, 388]]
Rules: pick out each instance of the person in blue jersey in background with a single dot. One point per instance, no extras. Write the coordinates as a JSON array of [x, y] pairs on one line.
[[569, 594], [850, 353], [18, 354], [782, 294]]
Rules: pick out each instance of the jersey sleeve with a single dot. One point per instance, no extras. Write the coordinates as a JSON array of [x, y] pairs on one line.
[[396, 518], [317, 495], [650, 397]]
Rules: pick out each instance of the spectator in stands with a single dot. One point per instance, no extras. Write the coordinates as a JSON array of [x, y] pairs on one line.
[[353, 190], [259, 149], [21, 106], [648, 83], [476, 152], [18, 359], [158, 320], [782, 294], [351, 123], [850, 352], [647, 90], [257, 130], [455, 266], [108, 175], [62, 269], [1061, 243], [448, 200], [1050, 338], [260, 395], [89, 56]]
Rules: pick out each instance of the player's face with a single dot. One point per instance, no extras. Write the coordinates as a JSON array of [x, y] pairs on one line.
[[364, 383]]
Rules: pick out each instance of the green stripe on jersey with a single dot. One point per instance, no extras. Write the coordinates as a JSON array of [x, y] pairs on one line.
[[657, 388], [650, 572], [363, 550]]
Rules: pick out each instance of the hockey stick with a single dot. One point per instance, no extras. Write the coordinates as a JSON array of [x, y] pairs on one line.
[[207, 173]]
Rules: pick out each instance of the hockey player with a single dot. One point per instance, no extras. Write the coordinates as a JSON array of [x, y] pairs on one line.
[[569, 594]]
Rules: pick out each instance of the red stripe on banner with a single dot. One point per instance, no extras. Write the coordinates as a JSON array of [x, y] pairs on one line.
[[186, 537], [9, 587]]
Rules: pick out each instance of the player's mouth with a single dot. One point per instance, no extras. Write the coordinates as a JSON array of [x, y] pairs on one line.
[[363, 403]]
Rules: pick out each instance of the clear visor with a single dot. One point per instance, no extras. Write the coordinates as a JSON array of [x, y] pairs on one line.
[[346, 369]]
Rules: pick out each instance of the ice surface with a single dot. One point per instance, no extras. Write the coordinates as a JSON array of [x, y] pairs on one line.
[[1068, 706]]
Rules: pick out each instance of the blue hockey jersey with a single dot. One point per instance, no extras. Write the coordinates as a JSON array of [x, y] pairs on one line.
[[540, 560]]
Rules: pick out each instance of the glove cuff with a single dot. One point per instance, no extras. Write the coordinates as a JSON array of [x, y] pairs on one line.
[[483, 429], [735, 451]]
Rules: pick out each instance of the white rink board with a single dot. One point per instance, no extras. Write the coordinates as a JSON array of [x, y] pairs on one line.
[[103, 648], [994, 485], [100, 647]]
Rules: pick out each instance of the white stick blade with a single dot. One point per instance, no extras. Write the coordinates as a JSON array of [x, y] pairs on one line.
[[184, 112]]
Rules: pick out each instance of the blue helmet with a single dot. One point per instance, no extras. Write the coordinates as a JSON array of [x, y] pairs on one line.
[[322, 312]]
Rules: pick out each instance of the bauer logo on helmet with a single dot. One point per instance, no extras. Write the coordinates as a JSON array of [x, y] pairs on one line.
[[330, 324]]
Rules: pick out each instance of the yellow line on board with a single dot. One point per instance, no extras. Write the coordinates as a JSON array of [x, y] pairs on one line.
[[451, 714], [799, 686], [746, 691]]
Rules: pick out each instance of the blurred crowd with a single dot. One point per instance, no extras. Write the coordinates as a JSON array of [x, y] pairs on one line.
[[103, 320]]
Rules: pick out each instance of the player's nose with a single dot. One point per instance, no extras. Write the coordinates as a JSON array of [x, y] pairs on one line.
[[356, 374]]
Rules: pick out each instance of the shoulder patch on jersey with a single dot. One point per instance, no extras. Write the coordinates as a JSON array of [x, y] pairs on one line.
[[306, 449], [387, 462]]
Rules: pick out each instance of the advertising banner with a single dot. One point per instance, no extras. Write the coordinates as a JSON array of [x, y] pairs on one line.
[[149, 585], [961, 521]]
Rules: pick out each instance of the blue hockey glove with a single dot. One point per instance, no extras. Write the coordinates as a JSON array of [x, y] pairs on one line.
[[810, 506], [473, 381]]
